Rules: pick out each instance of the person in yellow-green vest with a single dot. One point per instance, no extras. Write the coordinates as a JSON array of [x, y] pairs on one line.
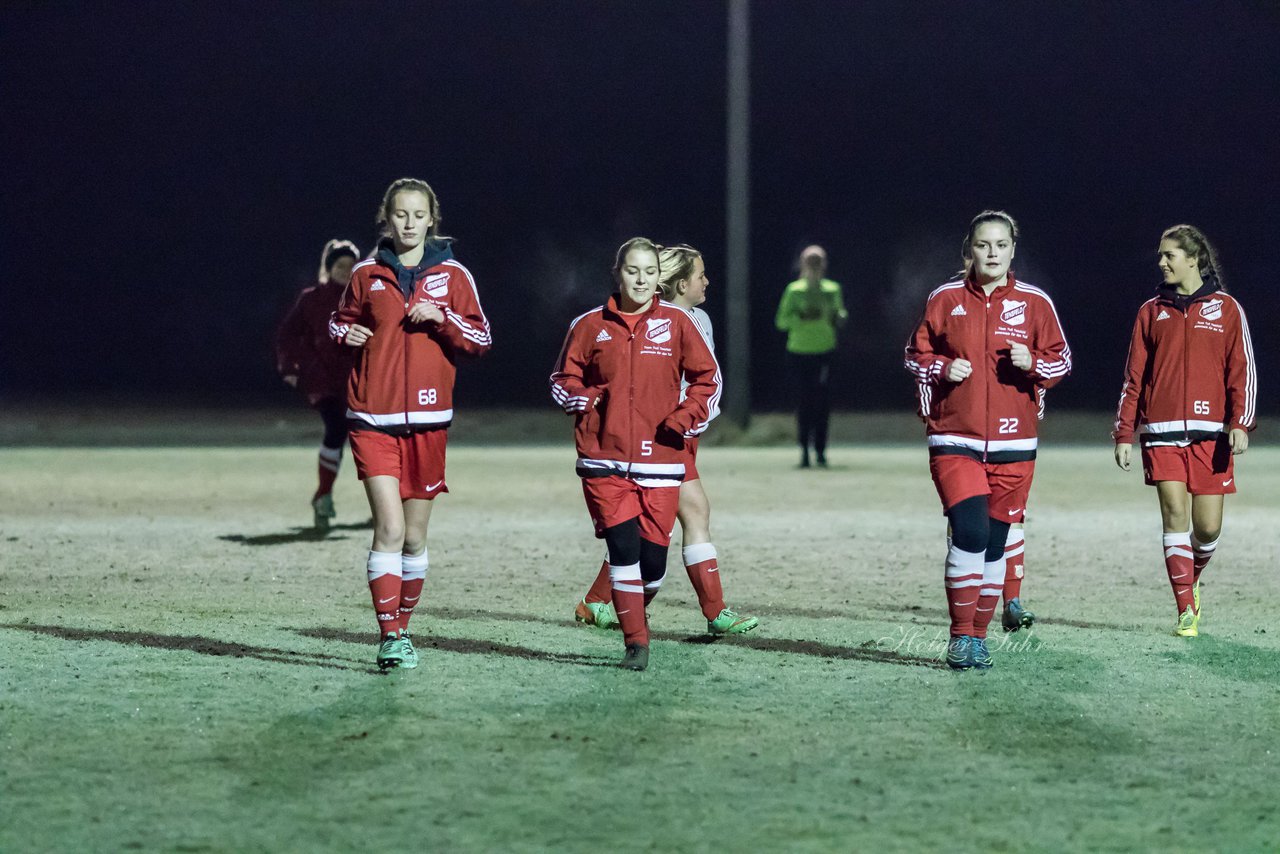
[[811, 312]]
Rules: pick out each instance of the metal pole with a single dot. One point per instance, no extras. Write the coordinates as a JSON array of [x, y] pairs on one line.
[[737, 396]]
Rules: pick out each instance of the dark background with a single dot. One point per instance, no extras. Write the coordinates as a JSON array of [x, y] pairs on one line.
[[171, 171]]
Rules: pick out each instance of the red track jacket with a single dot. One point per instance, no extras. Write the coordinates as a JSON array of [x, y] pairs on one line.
[[305, 350], [403, 376], [992, 414], [1190, 375], [638, 427]]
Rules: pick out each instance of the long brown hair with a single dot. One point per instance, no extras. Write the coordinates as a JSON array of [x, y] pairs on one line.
[[1196, 245]]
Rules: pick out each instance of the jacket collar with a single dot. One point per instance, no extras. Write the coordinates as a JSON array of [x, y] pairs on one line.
[[436, 252], [972, 284], [611, 307], [1170, 296]]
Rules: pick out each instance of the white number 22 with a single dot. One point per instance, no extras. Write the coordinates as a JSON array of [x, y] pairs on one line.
[[1008, 425]]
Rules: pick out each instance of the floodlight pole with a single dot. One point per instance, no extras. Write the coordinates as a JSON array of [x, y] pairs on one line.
[[737, 399]]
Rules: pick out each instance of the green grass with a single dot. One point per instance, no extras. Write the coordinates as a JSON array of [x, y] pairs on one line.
[[184, 668]]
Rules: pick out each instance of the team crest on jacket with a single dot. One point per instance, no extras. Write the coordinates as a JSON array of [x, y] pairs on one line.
[[436, 285], [1015, 312], [659, 331], [1211, 310]]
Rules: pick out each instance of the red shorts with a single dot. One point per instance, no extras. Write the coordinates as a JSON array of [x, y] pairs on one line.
[[1207, 467], [690, 459], [958, 477], [613, 500], [416, 460]]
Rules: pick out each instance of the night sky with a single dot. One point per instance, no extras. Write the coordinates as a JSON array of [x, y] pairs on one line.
[[171, 170]]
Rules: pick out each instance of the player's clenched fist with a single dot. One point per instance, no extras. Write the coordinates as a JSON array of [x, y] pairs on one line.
[[425, 312], [958, 370], [357, 335], [1019, 355]]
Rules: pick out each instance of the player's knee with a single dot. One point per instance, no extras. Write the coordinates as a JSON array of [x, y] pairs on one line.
[[1207, 533], [970, 525], [653, 561], [388, 535], [623, 542], [998, 534]]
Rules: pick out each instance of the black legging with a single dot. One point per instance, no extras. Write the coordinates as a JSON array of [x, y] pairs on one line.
[[813, 374], [334, 414], [974, 530]]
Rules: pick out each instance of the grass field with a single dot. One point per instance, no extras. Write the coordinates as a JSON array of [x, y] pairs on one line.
[[185, 668]]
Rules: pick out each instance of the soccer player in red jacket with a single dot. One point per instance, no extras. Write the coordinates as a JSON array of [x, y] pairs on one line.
[[619, 372], [411, 310], [310, 361], [1189, 392], [983, 355], [683, 282]]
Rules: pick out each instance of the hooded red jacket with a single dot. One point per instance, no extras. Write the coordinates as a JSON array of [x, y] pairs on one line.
[[1190, 374], [623, 384], [993, 413], [403, 375], [305, 350]]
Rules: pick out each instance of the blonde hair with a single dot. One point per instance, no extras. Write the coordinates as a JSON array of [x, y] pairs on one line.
[[642, 243], [410, 185], [675, 265]]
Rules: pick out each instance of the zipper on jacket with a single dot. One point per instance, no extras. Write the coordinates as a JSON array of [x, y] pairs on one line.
[[1186, 370], [631, 392], [405, 335], [986, 384]]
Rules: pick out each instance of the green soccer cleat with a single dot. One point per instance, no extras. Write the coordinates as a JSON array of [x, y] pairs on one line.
[[322, 505], [959, 652], [1188, 624], [979, 657], [1195, 591], [730, 622], [390, 652], [598, 614], [1015, 616], [637, 657], [410, 652]]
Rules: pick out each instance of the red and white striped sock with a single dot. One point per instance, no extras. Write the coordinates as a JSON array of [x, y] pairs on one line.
[[327, 465], [1202, 553], [700, 561], [601, 590], [964, 572], [1013, 564], [1179, 563], [383, 570], [413, 578], [651, 589], [988, 596], [628, 601]]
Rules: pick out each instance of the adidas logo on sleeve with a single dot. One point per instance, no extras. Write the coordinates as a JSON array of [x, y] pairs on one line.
[[958, 311], [604, 336]]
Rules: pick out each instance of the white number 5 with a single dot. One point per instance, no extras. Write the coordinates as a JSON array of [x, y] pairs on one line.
[[646, 448]]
